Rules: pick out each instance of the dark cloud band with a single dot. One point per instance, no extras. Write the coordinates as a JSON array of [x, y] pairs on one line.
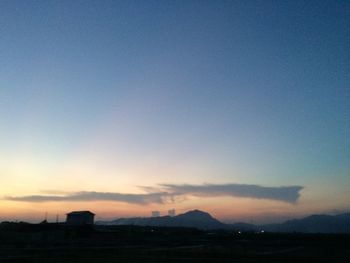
[[169, 193], [94, 196], [288, 194]]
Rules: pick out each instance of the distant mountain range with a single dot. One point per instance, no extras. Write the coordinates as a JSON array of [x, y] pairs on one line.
[[202, 220], [195, 218], [314, 224]]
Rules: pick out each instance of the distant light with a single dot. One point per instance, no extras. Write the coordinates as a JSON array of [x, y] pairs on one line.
[[239, 232], [262, 231]]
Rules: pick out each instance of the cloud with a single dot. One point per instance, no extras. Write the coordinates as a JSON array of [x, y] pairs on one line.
[[148, 198], [172, 193], [289, 194]]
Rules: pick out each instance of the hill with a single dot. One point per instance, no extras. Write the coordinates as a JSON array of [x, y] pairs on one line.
[[203, 220], [314, 224], [194, 218]]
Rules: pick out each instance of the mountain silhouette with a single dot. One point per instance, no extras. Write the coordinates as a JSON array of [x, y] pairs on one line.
[[194, 218], [314, 224], [197, 215], [198, 219], [203, 220]]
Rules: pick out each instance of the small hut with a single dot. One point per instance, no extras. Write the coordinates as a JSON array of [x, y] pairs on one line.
[[80, 218]]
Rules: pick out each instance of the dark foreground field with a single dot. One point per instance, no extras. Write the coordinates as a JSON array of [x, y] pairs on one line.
[[58, 243]]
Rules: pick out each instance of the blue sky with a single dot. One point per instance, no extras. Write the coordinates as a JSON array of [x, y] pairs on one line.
[[153, 92]]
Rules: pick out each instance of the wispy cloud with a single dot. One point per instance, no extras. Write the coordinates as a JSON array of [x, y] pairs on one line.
[[289, 194], [95, 196], [172, 193]]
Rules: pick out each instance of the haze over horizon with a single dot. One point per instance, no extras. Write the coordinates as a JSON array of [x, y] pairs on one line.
[[237, 108]]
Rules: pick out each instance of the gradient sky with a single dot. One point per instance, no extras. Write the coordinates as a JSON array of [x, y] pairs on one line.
[[218, 99]]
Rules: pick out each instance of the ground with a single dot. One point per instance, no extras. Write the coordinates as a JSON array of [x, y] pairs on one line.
[[58, 243]]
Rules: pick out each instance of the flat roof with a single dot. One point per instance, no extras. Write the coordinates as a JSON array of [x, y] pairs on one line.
[[80, 213]]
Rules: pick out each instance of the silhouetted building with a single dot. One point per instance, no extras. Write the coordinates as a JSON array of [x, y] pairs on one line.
[[155, 214], [79, 218]]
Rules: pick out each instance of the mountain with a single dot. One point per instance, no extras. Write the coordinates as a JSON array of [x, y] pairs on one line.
[[198, 219], [194, 218], [345, 216], [202, 220], [313, 224]]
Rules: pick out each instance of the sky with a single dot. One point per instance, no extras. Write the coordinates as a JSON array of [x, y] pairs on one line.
[[237, 108]]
